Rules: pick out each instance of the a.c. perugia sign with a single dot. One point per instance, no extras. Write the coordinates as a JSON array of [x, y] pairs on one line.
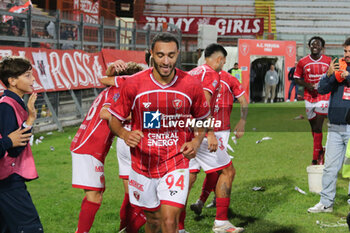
[[189, 25]]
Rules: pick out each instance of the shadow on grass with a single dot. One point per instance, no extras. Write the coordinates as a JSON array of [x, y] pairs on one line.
[[249, 208]]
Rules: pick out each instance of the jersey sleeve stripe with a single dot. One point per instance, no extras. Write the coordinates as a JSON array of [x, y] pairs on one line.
[[237, 96], [116, 81], [226, 84], [207, 89], [89, 135], [116, 115]]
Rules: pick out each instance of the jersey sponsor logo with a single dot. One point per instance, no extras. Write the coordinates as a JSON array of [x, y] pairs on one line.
[[99, 169], [163, 139], [146, 104], [135, 184], [151, 120], [136, 195], [177, 103]]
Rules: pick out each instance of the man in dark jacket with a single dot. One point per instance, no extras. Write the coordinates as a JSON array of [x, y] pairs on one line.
[[293, 84]]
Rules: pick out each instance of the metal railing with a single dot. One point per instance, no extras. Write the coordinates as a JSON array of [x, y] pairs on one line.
[[88, 36]]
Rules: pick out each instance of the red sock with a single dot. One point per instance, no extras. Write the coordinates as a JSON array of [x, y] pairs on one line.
[[209, 184], [182, 220], [124, 209], [137, 219], [222, 205], [317, 145], [87, 215]]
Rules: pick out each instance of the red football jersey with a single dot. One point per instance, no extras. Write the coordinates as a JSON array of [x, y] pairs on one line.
[[94, 137], [160, 111], [230, 89], [311, 71], [210, 80]]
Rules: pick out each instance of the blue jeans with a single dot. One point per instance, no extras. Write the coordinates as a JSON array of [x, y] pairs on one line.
[[292, 85], [337, 140]]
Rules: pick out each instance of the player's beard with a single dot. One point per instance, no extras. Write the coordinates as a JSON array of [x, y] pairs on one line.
[[164, 75]]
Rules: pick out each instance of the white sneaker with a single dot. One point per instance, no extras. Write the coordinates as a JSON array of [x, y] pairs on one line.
[[320, 208], [265, 101], [197, 207], [287, 100], [295, 100], [227, 227], [271, 101]]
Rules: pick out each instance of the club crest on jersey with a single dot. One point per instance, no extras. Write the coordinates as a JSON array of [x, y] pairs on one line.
[[177, 103], [324, 69], [136, 195], [215, 83], [151, 119], [116, 97]]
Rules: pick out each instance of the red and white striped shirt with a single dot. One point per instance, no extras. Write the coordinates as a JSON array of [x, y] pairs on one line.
[[230, 88], [210, 80], [158, 110], [94, 137], [311, 71]]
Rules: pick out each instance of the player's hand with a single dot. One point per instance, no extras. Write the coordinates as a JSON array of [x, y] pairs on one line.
[[132, 138], [212, 142], [334, 66], [189, 149], [31, 109], [116, 67], [344, 73], [310, 87], [19, 137], [239, 129]]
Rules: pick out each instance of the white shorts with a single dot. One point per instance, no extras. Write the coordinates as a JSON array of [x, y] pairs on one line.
[[320, 107], [150, 193], [87, 172], [124, 159], [212, 161]]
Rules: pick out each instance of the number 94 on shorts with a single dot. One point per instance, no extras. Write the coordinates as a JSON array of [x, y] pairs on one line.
[[150, 193]]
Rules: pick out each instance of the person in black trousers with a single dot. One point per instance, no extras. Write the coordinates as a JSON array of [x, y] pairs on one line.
[[293, 84]]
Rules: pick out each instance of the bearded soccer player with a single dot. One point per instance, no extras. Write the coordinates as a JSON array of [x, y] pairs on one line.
[[89, 149], [162, 100], [220, 162], [308, 74]]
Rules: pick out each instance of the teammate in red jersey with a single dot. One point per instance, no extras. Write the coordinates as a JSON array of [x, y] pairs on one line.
[[220, 162], [89, 149], [308, 74], [132, 218], [161, 100]]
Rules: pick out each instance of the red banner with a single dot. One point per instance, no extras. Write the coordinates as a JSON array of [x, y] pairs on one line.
[[90, 10], [189, 25], [59, 70]]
